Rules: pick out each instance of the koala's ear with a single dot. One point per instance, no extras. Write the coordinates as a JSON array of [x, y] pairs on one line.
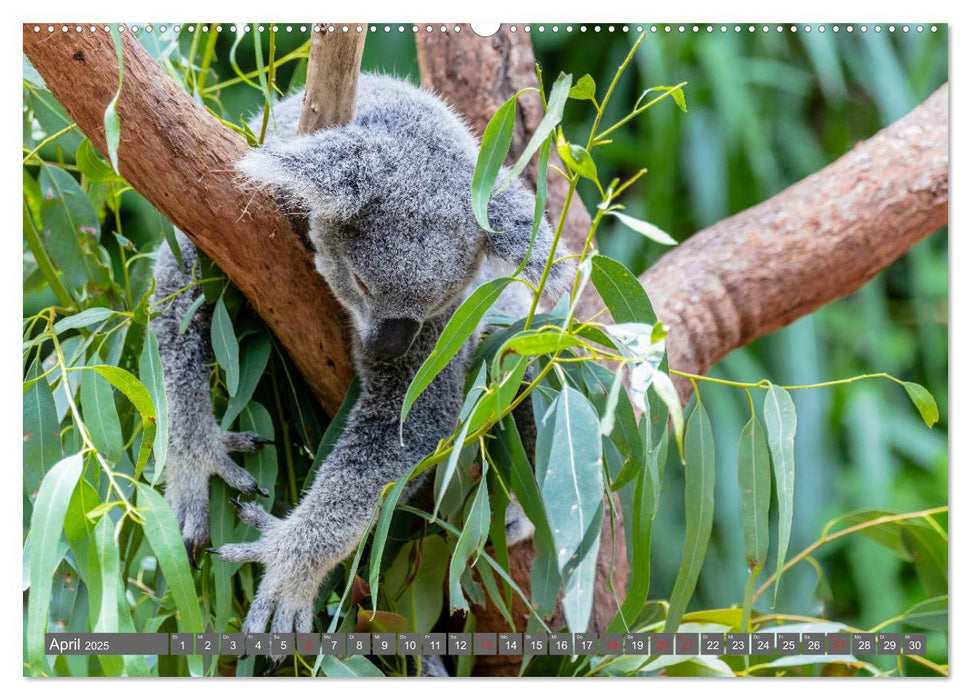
[[323, 172], [511, 214]]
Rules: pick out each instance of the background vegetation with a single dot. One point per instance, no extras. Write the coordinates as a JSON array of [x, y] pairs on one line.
[[765, 109]]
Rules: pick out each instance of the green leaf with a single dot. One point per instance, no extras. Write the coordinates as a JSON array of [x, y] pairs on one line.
[[150, 372], [623, 295], [470, 542], [459, 328], [699, 508], [929, 552], [584, 89], [422, 597], [468, 409], [84, 319], [349, 667], [754, 485], [112, 122], [642, 512], [225, 346], [532, 342], [554, 113], [513, 464], [101, 416], [71, 228], [262, 464], [46, 526], [780, 422], [645, 229], [127, 384], [930, 614], [254, 354], [576, 158], [104, 602], [924, 402], [677, 94], [572, 488], [380, 538], [42, 440], [492, 154], [162, 533], [191, 311], [91, 166]]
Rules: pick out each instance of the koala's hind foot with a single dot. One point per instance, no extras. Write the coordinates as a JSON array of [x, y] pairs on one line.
[[295, 561], [187, 473]]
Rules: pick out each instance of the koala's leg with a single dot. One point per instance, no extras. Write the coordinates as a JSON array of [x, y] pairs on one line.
[[197, 446], [298, 551]]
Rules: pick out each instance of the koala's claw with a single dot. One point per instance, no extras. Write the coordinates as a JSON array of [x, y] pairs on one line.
[[253, 514], [244, 442]]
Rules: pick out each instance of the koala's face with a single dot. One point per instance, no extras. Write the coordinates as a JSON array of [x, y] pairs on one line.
[[393, 265], [392, 225]]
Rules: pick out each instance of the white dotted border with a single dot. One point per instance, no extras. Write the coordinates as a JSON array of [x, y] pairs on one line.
[[541, 28]]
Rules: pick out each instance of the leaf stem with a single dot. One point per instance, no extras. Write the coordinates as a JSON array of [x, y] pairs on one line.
[[827, 538]]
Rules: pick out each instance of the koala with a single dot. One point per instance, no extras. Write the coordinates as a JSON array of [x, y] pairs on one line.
[[387, 197]]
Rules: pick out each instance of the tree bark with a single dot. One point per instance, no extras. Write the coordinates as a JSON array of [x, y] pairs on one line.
[[181, 159], [333, 67]]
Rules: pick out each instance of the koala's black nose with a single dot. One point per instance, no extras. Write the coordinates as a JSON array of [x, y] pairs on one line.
[[393, 337]]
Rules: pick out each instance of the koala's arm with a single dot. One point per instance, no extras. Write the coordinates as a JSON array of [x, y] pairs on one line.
[[197, 446], [298, 551]]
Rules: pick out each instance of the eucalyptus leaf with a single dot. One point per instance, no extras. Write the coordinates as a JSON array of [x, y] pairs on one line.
[[699, 508], [460, 327], [645, 229], [754, 485], [496, 140], [924, 402], [225, 346], [780, 422], [46, 526], [572, 491], [621, 292]]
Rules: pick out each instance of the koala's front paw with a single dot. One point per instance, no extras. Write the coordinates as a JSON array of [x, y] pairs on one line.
[[187, 477], [294, 568]]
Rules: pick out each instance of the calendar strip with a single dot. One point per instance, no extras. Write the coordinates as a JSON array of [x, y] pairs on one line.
[[490, 644]]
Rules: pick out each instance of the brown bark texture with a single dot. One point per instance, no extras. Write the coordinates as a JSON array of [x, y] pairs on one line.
[[333, 68], [181, 159]]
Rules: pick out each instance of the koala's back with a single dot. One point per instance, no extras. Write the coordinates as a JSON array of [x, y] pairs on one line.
[[390, 105]]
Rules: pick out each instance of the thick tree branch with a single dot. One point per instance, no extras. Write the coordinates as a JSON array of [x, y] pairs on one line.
[[819, 240], [333, 67], [180, 158]]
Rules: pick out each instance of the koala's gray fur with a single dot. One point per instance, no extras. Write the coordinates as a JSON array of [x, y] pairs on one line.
[[388, 201]]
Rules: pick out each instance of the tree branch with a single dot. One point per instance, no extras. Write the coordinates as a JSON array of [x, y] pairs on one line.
[[333, 67], [819, 240], [181, 159]]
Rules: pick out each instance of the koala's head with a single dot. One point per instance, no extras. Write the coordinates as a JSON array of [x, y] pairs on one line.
[[392, 225]]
